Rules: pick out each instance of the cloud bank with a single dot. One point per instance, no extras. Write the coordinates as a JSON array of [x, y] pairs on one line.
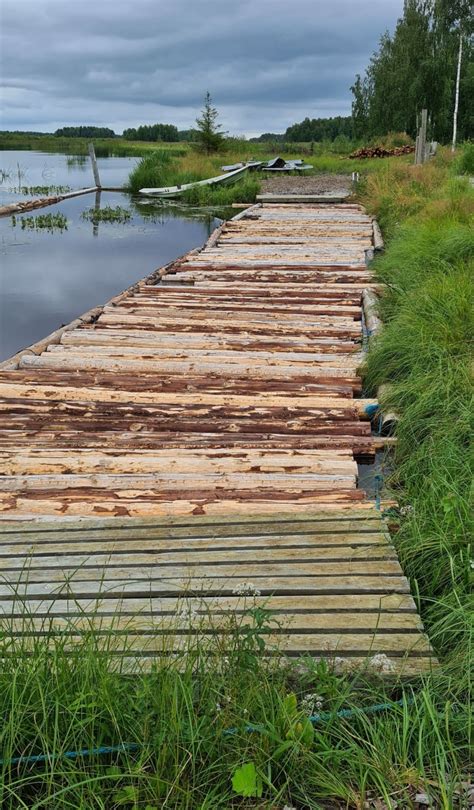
[[267, 63]]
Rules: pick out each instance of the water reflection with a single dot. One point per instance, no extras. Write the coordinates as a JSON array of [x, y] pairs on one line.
[[50, 278]]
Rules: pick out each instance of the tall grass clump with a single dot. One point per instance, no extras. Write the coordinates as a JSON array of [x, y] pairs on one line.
[[244, 190], [466, 159], [216, 725], [152, 171], [424, 357]]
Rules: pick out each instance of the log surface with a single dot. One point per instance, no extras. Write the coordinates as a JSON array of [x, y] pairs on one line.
[[196, 439]]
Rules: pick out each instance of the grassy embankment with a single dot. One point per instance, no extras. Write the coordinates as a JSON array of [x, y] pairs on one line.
[[160, 168], [424, 358], [55, 702]]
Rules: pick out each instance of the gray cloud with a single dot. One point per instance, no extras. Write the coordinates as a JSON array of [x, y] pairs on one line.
[[267, 63]]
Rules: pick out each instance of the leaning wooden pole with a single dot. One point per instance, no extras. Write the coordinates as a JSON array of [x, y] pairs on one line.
[[95, 168]]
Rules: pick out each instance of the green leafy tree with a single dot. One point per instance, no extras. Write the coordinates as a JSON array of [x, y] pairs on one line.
[[415, 68], [209, 136]]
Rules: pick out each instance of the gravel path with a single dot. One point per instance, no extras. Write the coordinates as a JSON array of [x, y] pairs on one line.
[[312, 184]]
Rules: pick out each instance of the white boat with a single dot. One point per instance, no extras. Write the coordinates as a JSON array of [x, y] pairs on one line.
[[176, 191]]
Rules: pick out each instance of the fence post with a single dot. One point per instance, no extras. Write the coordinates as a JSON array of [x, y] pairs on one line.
[[95, 168], [421, 154]]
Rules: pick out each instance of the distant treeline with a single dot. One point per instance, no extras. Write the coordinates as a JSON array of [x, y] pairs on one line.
[[320, 129], [311, 129], [416, 68], [159, 132], [84, 132], [152, 132]]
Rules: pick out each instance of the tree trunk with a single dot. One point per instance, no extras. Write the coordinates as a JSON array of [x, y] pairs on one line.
[[456, 102]]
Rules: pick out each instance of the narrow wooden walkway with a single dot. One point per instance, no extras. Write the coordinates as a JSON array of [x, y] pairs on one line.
[[229, 392]]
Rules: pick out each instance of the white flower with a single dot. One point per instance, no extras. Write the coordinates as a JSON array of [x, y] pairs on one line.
[[246, 589], [311, 703], [405, 510], [218, 708], [289, 807], [381, 663], [187, 613]]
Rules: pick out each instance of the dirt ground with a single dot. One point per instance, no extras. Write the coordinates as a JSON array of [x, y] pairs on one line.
[[301, 184]]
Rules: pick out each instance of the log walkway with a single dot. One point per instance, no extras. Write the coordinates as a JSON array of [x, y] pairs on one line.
[[201, 434]]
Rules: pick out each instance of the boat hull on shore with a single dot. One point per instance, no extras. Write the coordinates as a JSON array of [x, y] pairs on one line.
[[177, 191]]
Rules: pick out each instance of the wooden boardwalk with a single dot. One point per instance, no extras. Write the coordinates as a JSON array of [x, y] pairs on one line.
[[200, 435]]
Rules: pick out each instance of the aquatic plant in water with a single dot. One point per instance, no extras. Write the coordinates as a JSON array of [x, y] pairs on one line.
[[107, 214], [45, 190], [48, 222]]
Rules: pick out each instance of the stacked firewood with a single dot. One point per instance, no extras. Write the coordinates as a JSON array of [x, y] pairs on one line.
[[381, 152]]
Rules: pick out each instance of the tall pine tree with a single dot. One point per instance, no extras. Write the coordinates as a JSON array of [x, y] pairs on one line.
[[209, 137]]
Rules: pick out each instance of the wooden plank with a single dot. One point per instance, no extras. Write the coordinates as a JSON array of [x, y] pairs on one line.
[[66, 558], [337, 623], [219, 585], [370, 605]]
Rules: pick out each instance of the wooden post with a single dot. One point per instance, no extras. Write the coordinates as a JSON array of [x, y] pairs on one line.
[[95, 168], [424, 123], [420, 150], [95, 225]]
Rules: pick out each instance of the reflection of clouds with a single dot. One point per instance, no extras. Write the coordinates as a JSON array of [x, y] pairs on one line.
[[49, 279]]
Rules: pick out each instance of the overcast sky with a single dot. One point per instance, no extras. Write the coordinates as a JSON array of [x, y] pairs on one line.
[[119, 63]]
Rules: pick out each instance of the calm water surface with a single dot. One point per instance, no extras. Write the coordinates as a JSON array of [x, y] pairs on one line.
[[28, 168], [49, 278]]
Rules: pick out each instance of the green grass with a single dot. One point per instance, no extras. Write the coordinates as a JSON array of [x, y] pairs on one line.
[[424, 358], [104, 147], [57, 696]]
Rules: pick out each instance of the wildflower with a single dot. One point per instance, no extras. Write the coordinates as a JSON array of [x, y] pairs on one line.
[[218, 708], [289, 807], [406, 510], [381, 663], [311, 703], [187, 613], [246, 589]]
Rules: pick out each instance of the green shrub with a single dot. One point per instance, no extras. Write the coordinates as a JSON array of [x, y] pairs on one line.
[[466, 160]]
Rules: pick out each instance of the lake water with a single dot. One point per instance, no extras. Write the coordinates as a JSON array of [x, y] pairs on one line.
[[19, 169], [49, 278]]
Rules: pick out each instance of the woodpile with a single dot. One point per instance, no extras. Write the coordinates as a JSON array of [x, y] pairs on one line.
[[382, 152]]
